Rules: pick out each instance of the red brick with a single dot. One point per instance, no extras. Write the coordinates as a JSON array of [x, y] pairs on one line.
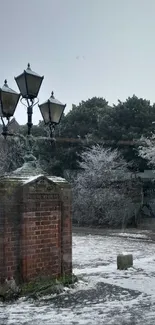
[[41, 240]]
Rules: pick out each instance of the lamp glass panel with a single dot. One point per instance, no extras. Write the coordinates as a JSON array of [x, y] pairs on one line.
[[21, 82], [9, 102], [44, 109], [33, 85], [56, 111]]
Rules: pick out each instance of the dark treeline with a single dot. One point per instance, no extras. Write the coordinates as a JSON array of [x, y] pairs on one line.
[[90, 122], [94, 120]]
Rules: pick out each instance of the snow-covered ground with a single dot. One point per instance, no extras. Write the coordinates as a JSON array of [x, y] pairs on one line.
[[131, 235], [103, 295]]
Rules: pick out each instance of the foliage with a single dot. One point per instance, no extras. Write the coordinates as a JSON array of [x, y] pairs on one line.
[[127, 120], [11, 153], [38, 130], [147, 150], [84, 119], [94, 121], [55, 157], [132, 119], [101, 189]]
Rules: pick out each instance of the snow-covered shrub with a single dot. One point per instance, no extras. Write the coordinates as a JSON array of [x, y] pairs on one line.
[[147, 150], [12, 150], [101, 190]]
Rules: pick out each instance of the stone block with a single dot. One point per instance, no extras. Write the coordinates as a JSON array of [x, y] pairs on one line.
[[124, 261]]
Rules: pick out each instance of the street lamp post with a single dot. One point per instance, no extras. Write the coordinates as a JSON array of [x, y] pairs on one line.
[[52, 111], [29, 83], [8, 103]]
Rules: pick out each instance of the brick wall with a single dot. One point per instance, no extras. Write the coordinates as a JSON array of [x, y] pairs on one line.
[[66, 232], [9, 230], [35, 230]]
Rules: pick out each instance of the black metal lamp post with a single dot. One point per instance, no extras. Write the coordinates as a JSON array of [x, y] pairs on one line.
[[52, 111], [29, 83], [8, 103]]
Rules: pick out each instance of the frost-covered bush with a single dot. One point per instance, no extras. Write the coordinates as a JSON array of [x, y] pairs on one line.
[[12, 151], [147, 150], [101, 190]]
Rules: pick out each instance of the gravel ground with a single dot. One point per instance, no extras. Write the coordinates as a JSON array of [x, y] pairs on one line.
[[103, 294]]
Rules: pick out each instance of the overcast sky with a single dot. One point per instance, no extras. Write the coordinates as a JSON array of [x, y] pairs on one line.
[[84, 48]]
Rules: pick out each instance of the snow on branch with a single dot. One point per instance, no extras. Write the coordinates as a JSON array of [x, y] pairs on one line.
[[100, 190], [11, 154], [147, 150]]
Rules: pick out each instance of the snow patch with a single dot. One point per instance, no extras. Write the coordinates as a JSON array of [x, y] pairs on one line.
[[129, 235], [32, 179]]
